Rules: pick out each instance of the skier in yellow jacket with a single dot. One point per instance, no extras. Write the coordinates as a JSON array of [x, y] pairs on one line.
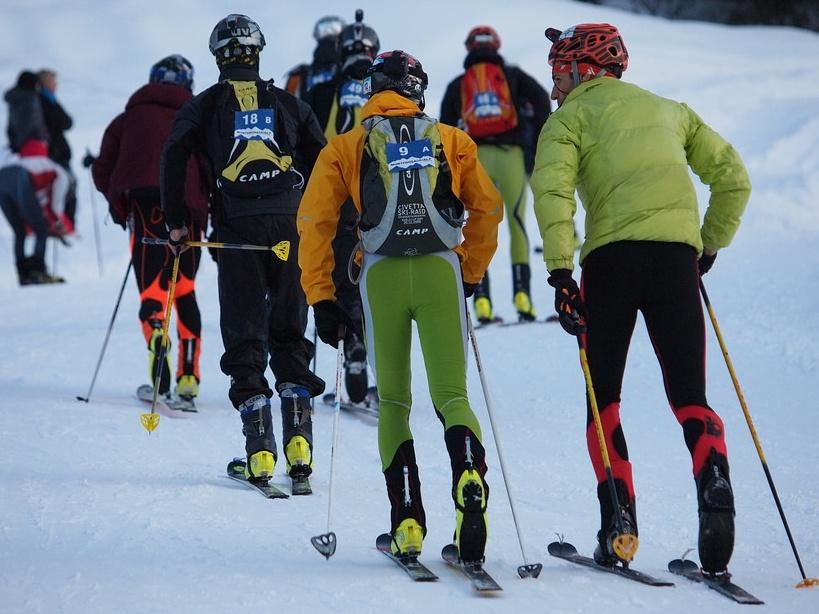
[[413, 180]]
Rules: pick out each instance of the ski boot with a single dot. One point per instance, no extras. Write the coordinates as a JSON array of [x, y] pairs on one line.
[[521, 291], [32, 271], [482, 302], [260, 443], [470, 492], [606, 553], [408, 538], [297, 430], [187, 384], [154, 349], [407, 516], [355, 368], [716, 512]]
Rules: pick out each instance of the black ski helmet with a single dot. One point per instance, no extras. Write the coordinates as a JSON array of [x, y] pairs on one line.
[[358, 42], [397, 71], [174, 69], [236, 39]]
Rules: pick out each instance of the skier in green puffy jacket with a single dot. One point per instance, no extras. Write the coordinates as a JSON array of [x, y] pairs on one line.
[[627, 152]]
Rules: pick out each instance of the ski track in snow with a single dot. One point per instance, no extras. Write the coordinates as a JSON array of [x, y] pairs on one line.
[[97, 516]]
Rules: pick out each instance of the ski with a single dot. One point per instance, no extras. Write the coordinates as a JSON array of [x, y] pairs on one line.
[[236, 471], [368, 407], [145, 393], [547, 320], [410, 564], [481, 580], [501, 323], [300, 485], [567, 552], [724, 586], [495, 321]]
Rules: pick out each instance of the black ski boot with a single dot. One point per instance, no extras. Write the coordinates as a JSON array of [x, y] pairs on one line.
[[604, 553], [260, 443], [470, 492], [32, 271], [297, 430], [716, 511], [355, 368], [407, 517]]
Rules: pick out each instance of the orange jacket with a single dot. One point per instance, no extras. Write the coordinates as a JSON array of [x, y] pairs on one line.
[[336, 176]]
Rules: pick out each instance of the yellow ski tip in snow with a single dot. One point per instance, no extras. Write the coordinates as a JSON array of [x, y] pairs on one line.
[[149, 421], [282, 250]]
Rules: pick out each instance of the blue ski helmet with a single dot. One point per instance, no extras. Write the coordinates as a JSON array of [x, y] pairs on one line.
[[174, 69]]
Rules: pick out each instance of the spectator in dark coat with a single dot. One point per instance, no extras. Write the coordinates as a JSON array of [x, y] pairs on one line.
[[26, 121], [57, 121]]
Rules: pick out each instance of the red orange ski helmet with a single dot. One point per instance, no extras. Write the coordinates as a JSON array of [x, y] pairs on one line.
[[482, 37], [596, 44]]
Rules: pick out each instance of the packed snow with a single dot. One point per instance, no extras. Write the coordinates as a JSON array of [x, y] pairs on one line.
[[97, 516]]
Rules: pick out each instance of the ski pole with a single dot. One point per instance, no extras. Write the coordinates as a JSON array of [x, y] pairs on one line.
[[326, 542], [94, 215], [281, 249], [805, 582], [87, 397], [315, 360], [625, 544], [527, 570], [151, 421]]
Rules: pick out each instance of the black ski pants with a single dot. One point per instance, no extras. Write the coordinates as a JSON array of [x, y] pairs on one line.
[[661, 281], [263, 309]]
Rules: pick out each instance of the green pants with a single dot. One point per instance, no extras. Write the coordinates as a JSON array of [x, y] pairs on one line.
[[427, 289], [504, 163]]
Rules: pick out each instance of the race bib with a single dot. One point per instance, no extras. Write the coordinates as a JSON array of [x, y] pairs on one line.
[[408, 156], [487, 104], [256, 125], [352, 94]]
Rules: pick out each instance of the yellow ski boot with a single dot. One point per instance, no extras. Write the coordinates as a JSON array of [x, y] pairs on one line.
[[523, 304], [483, 310], [299, 456], [408, 538], [260, 466]]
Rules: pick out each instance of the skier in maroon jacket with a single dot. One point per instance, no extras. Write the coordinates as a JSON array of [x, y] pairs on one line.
[[127, 172]]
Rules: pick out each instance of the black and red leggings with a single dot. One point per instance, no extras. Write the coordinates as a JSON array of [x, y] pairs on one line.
[[152, 268], [661, 281]]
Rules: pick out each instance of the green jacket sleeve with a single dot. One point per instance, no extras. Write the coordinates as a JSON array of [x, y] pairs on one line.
[[719, 166], [553, 184]]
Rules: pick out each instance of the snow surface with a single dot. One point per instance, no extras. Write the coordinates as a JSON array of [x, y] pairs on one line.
[[96, 516]]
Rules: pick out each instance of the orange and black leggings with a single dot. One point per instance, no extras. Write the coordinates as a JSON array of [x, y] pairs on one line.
[[661, 281], [152, 267]]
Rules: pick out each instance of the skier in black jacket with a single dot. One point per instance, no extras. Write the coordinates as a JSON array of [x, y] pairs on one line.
[[503, 109], [337, 104], [261, 144]]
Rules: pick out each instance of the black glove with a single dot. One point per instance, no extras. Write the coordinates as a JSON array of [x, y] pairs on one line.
[[328, 317], [88, 159], [705, 262], [469, 289], [569, 306]]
